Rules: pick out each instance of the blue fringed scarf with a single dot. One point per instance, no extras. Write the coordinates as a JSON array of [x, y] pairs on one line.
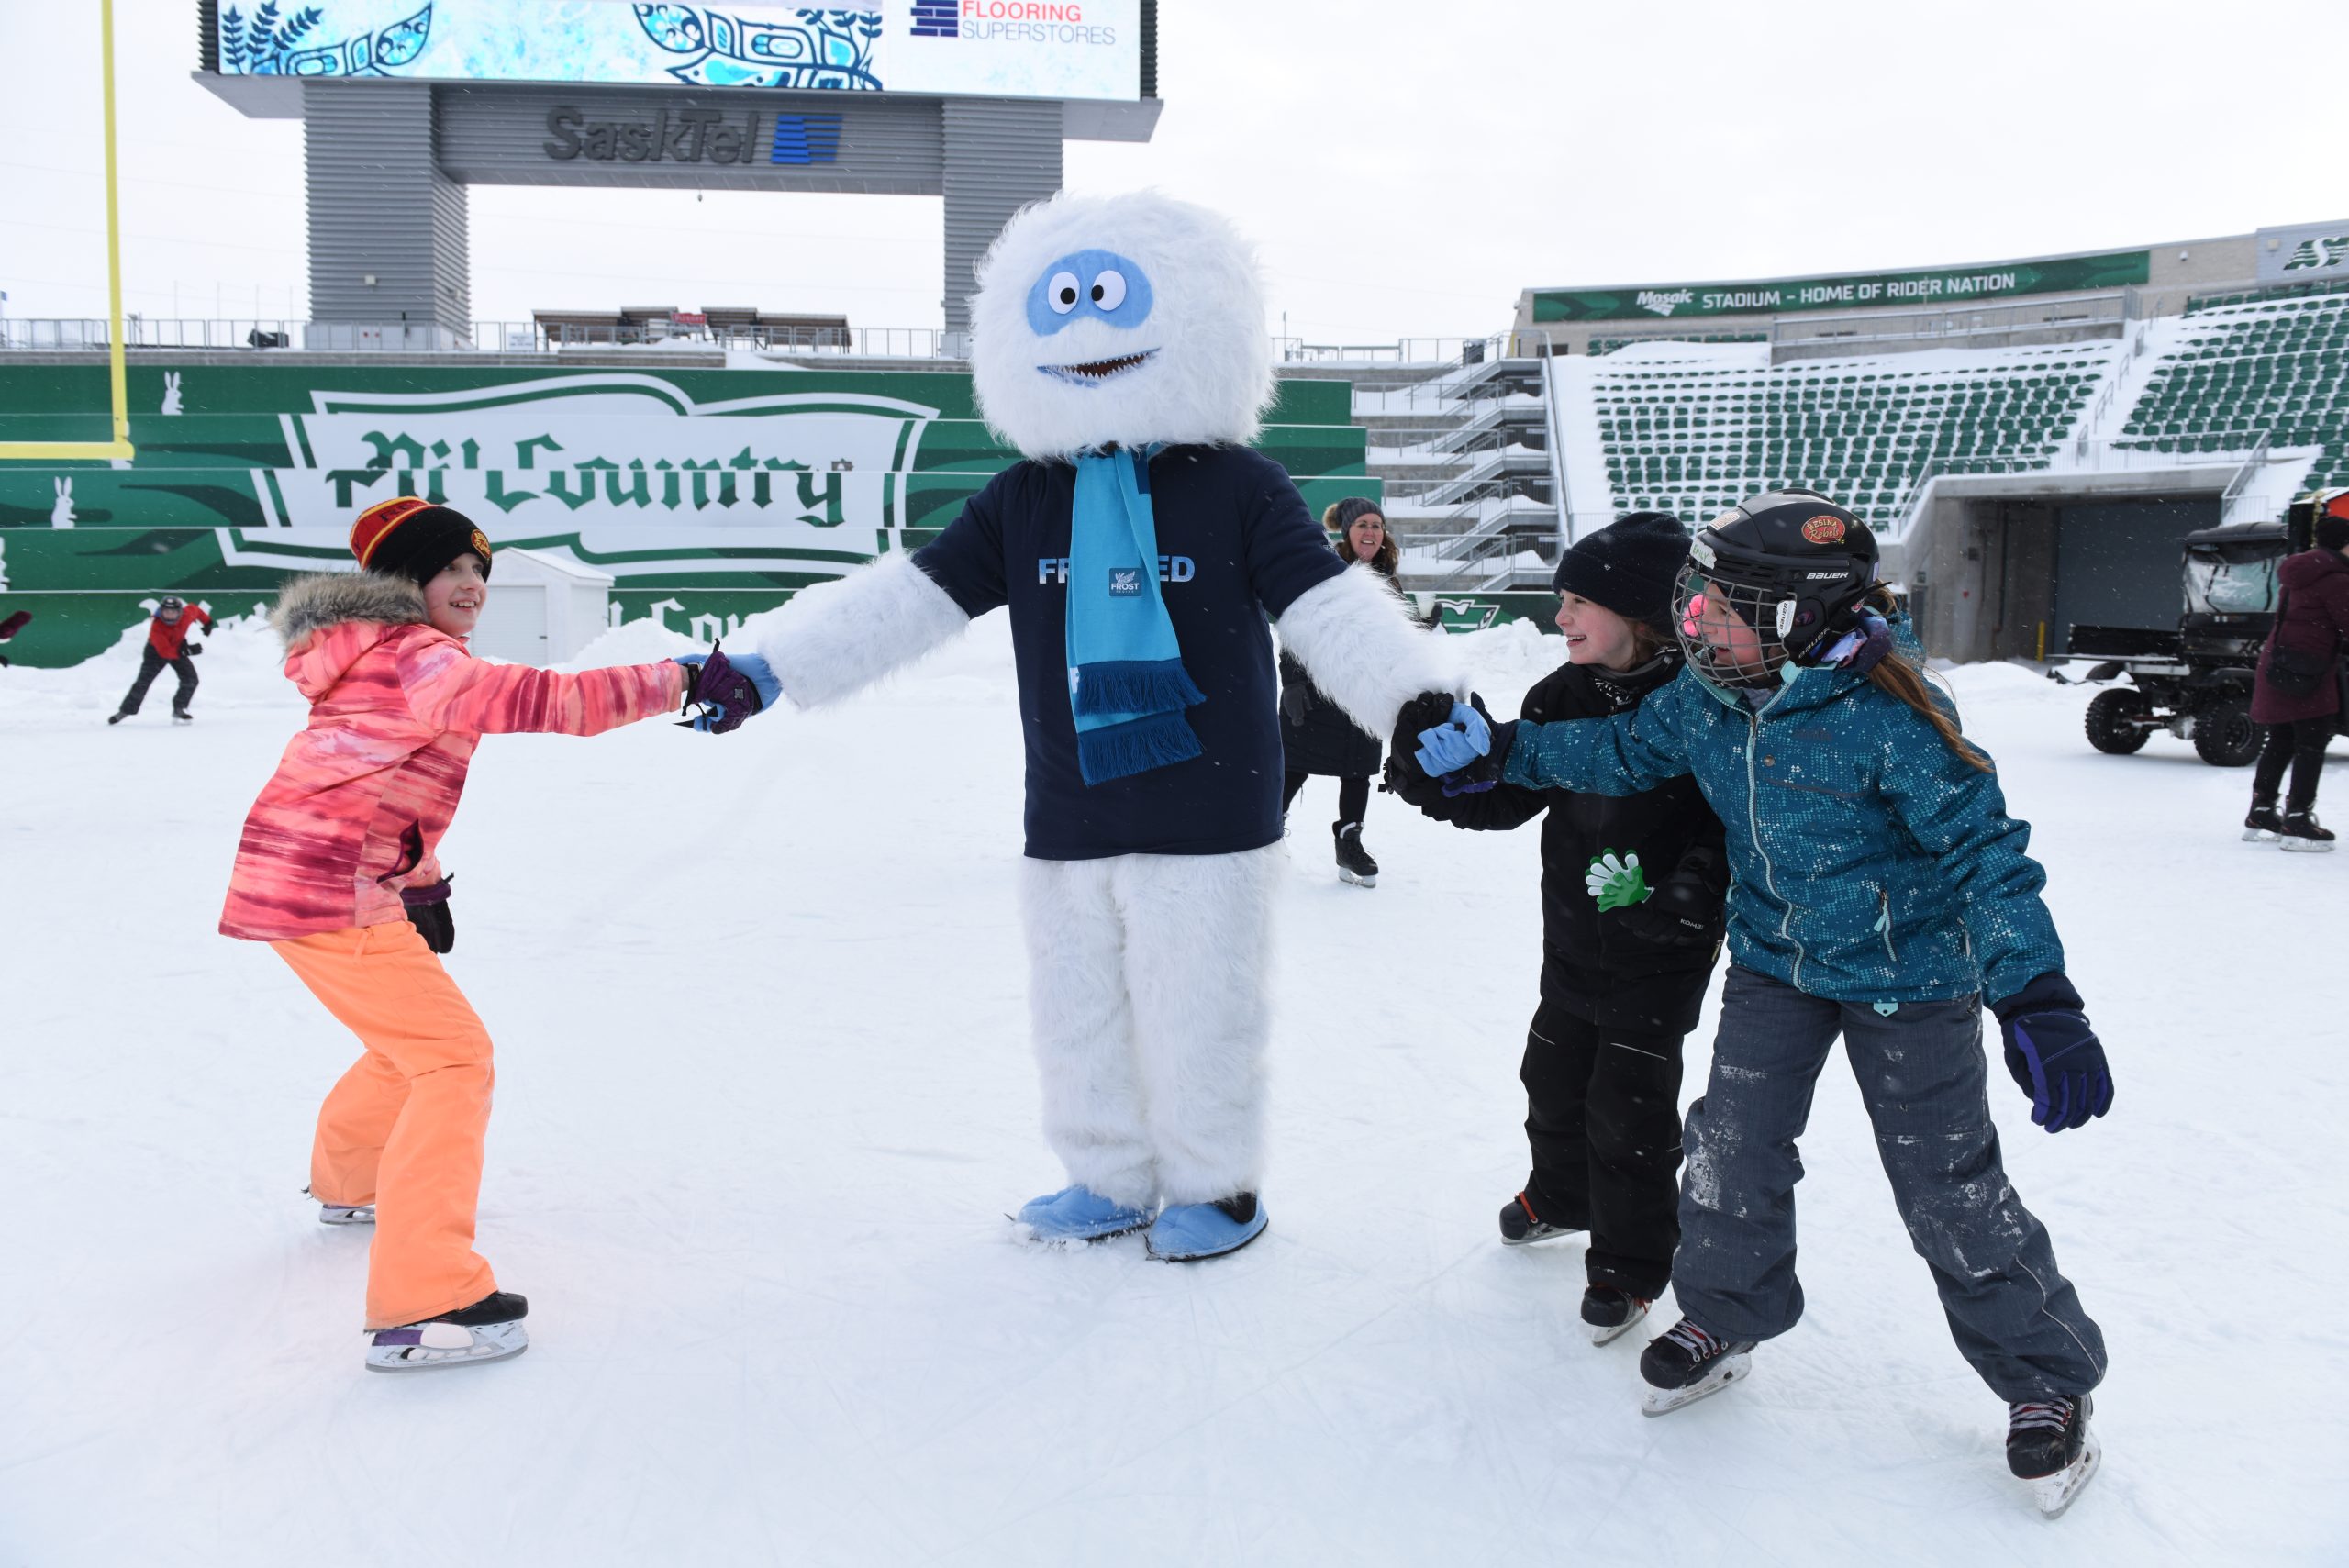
[[1126, 680]]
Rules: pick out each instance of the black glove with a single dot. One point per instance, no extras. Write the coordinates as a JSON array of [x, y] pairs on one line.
[[190, 648], [1294, 703], [1404, 774], [1679, 912], [428, 911]]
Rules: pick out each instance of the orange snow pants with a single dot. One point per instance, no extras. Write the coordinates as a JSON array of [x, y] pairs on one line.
[[403, 1129]]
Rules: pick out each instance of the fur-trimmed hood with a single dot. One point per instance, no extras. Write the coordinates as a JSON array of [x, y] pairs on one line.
[[327, 620], [320, 599]]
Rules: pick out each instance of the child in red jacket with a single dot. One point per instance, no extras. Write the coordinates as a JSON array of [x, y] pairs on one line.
[[167, 644], [335, 870]]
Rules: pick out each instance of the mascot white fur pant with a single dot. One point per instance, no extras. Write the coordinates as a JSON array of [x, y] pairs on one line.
[[1120, 345]]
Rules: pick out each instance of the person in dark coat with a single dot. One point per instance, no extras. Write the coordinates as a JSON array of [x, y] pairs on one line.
[[168, 641], [1316, 735], [13, 625], [2312, 624], [1631, 920]]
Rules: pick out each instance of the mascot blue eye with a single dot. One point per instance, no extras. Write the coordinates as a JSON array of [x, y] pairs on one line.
[[1101, 284]]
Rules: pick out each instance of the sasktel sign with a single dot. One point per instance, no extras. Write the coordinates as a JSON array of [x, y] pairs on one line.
[[693, 136]]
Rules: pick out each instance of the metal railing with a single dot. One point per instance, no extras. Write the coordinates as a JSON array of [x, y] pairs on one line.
[[1858, 331], [24, 334]]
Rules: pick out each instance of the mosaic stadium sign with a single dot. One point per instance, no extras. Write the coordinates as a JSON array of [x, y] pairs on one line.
[[1035, 49], [1938, 287]]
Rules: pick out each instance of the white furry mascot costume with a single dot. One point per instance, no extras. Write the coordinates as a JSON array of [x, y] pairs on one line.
[[1119, 344]]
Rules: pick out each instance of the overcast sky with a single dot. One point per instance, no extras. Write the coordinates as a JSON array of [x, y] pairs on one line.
[[1406, 168]]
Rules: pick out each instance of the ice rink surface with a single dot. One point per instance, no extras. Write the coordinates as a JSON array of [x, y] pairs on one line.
[[764, 1097]]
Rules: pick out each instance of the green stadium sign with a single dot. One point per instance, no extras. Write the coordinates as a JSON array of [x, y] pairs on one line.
[[1939, 287]]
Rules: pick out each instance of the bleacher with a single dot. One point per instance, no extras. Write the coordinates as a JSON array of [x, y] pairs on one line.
[[2273, 367], [1694, 435]]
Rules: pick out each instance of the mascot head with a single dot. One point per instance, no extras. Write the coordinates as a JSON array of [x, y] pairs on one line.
[[1120, 319]]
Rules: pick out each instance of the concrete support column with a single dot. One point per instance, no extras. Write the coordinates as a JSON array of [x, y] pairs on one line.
[[379, 208], [1000, 155]]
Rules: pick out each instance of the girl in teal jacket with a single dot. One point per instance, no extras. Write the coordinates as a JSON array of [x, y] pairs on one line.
[[1880, 893]]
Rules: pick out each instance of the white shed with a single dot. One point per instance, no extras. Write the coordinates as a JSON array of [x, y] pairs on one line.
[[542, 608]]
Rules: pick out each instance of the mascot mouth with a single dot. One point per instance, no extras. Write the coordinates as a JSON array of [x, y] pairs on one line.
[[1096, 372]]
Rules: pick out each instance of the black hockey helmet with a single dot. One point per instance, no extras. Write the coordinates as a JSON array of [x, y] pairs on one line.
[[171, 606], [1778, 578]]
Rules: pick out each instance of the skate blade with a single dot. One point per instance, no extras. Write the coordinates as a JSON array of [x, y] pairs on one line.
[[2259, 836], [1356, 879], [2053, 1493], [1606, 1334], [1663, 1401], [1540, 1233], [338, 1214], [2307, 846], [441, 1345]]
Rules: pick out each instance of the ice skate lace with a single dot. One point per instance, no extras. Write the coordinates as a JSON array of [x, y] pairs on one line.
[[2026, 1415], [1695, 1340]]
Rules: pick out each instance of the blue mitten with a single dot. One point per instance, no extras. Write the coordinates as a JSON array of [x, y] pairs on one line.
[[1862, 648], [2054, 1055], [1455, 744], [728, 688]]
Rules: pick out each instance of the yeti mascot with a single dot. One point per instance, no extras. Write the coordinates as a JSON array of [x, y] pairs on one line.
[[1119, 344]]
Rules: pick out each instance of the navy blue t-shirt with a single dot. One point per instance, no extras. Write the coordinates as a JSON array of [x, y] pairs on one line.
[[1235, 545]]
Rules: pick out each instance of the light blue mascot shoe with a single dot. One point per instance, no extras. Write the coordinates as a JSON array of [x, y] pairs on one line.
[[1187, 1233], [1079, 1214]]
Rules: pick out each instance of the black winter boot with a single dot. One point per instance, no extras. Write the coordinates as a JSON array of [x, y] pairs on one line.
[[1354, 863], [2264, 823], [2300, 831]]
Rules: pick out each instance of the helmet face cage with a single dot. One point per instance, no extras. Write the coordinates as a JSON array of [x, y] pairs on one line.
[[1733, 634]]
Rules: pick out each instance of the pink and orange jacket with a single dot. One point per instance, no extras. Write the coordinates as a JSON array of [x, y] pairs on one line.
[[360, 798]]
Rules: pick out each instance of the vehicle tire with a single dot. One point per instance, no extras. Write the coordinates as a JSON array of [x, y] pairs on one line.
[[2224, 735], [2118, 721]]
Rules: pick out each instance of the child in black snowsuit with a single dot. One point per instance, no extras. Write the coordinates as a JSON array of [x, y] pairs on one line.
[[1631, 892]]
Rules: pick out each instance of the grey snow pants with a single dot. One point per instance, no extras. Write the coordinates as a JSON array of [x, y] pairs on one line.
[[1922, 1075]]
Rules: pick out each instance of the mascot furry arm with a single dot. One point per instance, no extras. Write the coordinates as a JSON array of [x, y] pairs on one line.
[[1358, 642], [832, 640]]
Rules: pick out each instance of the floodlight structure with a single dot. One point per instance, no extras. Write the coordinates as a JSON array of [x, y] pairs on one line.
[[120, 446]]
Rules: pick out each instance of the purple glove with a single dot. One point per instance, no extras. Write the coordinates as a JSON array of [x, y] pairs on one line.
[[727, 691], [2054, 1055]]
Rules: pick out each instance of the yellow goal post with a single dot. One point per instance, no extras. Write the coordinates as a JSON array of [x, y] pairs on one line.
[[120, 446]]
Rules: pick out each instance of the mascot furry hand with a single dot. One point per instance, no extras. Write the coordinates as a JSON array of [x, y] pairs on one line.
[[1119, 344]]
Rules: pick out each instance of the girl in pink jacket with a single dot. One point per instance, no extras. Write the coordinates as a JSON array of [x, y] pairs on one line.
[[336, 871]]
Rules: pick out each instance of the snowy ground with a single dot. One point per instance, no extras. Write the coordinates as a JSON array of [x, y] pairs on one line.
[[764, 1097]]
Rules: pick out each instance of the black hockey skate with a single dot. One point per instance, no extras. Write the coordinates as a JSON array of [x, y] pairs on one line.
[[1520, 1225], [2050, 1448], [2264, 825], [489, 1330], [2302, 832], [1354, 863], [1685, 1363], [1611, 1312]]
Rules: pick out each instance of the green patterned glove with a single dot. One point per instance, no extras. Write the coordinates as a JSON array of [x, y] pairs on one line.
[[1616, 881]]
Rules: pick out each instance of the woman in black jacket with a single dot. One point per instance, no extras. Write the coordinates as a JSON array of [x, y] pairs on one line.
[[1316, 735], [1632, 894]]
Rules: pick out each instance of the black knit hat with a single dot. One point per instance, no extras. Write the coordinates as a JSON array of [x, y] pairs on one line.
[[2331, 532], [1628, 566], [411, 538]]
